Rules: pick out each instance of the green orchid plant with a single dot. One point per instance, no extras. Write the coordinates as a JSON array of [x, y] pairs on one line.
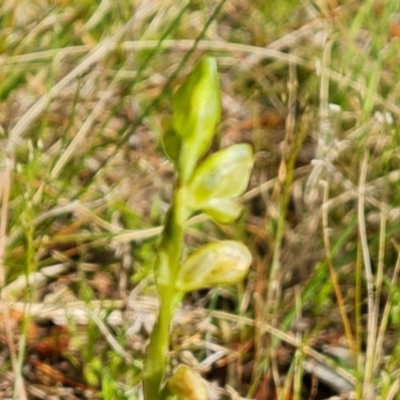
[[208, 184]]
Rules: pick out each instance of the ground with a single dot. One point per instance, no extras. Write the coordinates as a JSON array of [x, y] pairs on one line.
[[84, 89]]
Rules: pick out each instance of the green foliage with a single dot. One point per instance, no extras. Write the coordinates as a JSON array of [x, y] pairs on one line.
[[196, 106], [210, 186], [221, 263], [220, 178]]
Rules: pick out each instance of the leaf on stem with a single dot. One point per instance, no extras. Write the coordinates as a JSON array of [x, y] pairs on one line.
[[223, 210], [220, 263], [220, 178], [171, 142]]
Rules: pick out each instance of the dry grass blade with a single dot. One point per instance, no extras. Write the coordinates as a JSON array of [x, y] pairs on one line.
[[84, 189], [334, 277], [368, 387]]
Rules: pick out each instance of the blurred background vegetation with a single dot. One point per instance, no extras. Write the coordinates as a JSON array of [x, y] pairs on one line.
[[84, 186]]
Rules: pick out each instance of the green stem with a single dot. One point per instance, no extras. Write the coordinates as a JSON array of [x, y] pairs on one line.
[[166, 271], [157, 353]]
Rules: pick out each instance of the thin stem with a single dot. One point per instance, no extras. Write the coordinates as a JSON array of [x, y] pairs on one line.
[[166, 270], [157, 352], [368, 385], [334, 277]]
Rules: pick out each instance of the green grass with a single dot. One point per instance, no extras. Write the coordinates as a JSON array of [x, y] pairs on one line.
[[83, 88]]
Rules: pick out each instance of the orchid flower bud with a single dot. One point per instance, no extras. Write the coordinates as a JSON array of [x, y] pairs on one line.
[[220, 178], [220, 263], [196, 113], [185, 384]]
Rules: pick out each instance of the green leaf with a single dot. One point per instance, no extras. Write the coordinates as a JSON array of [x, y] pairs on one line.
[[223, 175], [220, 263], [223, 210], [196, 113], [171, 142]]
